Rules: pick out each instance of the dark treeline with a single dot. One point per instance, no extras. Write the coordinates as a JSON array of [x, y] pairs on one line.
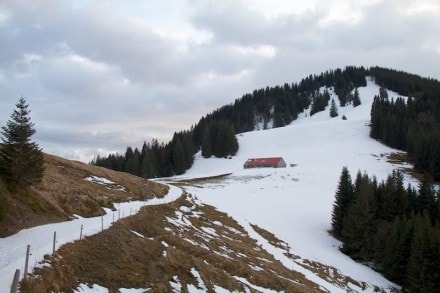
[[214, 134], [395, 229], [281, 105], [154, 159], [412, 125]]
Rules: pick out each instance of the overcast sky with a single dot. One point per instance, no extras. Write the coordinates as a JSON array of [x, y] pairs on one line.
[[103, 75]]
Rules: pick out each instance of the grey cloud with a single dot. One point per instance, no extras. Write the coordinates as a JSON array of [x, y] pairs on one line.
[[98, 79]]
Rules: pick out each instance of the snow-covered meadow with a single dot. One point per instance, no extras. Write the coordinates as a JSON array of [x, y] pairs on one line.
[[295, 203]]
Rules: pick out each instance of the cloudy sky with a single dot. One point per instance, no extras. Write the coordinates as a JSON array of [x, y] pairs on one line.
[[102, 75]]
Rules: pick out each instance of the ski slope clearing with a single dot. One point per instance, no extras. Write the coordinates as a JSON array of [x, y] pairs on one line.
[[40, 238], [295, 203]]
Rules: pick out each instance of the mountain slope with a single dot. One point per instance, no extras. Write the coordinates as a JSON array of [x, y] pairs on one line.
[[276, 220], [296, 203]]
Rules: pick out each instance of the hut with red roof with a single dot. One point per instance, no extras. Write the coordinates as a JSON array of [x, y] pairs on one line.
[[276, 162]]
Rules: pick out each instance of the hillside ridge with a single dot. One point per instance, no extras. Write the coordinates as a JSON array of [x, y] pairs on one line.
[[265, 108], [66, 190]]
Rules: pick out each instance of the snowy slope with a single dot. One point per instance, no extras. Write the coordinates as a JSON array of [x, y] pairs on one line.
[[295, 203]]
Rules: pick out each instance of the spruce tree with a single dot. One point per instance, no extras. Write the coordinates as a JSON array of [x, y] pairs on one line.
[[423, 271], [333, 109], [21, 160], [356, 98], [147, 170], [359, 222], [343, 198], [207, 142], [426, 197], [178, 156]]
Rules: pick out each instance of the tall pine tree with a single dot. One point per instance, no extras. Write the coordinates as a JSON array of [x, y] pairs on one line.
[[333, 109], [358, 223], [343, 198], [21, 160], [356, 98]]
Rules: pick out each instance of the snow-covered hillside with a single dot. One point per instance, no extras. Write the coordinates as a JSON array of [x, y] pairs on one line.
[[295, 203]]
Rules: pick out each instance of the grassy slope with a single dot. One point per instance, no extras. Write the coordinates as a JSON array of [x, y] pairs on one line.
[[159, 248], [64, 192], [169, 242]]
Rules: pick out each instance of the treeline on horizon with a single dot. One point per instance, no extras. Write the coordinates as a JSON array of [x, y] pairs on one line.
[[394, 229], [278, 106], [214, 134]]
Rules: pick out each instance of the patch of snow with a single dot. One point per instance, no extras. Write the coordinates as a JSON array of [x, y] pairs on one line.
[[200, 284], [175, 285], [133, 290], [193, 242], [223, 255], [209, 231], [252, 286], [185, 209], [106, 182], [137, 234], [256, 268], [99, 180], [94, 289]]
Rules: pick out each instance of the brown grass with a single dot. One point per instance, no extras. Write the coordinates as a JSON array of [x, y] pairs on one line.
[[64, 192], [117, 258], [402, 158]]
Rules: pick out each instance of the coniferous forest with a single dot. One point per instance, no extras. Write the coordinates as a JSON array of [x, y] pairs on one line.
[[412, 125], [394, 229], [214, 134]]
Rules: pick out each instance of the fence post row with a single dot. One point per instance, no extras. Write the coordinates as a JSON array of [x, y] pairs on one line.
[[14, 286]]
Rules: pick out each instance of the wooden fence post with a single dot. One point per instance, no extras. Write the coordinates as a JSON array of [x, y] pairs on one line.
[[14, 285], [54, 241], [26, 262], [81, 232]]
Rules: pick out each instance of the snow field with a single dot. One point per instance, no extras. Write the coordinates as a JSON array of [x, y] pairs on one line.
[[295, 203]]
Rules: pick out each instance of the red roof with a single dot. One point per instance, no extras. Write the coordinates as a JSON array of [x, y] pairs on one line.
[[263, 161]]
